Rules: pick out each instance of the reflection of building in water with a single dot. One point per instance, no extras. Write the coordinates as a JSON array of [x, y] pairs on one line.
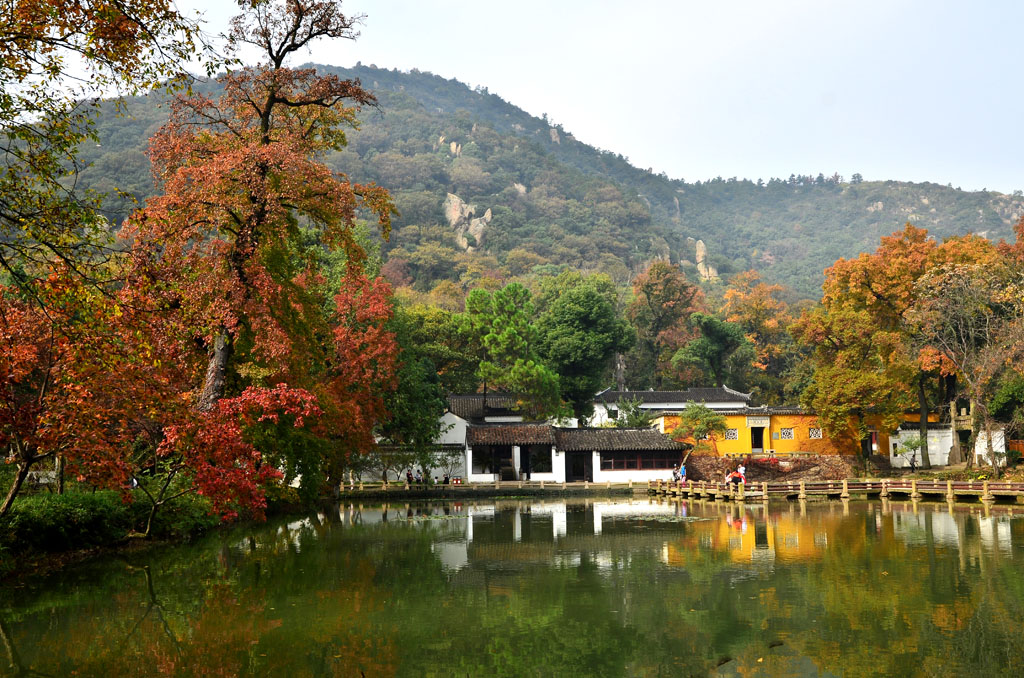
[[747, 536]]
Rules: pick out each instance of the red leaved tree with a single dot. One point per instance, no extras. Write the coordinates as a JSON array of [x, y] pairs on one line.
[[228, 258]]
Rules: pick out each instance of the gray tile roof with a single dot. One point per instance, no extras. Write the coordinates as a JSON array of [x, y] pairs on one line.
[[612, 439], [510, 434], [697, 395], [479, 405]]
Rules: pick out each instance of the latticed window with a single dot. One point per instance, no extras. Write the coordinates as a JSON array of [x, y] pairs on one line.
[[732, 434], [814, 433], [786, 434]]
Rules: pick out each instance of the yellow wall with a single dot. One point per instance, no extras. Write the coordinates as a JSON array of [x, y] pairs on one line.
[[801, 443]]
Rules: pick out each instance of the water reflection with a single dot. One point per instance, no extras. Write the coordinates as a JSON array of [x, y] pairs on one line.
[[519, 587]]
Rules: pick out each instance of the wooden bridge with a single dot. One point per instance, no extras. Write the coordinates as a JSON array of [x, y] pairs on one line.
[[951, 491]]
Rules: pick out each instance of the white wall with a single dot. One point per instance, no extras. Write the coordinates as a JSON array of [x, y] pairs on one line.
[[600, 417], [453, 430], [939, 442], [998, 445], [471, 477]]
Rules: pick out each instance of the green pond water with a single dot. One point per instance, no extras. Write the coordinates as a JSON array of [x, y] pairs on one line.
[[613, 587]]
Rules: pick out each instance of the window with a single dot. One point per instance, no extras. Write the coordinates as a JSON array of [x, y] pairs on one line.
[[814, 433], [540, 459], [482, 460], [732, 434], [613, 413], [622, 461], [786, 434]]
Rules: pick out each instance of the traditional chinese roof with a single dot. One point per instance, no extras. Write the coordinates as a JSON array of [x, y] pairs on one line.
[[510, 434], [613, 439], [722, 394], [480, 405]]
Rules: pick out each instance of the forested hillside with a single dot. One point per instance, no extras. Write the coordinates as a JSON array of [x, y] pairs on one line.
[[486, 190]]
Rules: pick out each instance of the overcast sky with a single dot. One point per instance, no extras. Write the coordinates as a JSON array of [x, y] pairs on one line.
[[894, 89]]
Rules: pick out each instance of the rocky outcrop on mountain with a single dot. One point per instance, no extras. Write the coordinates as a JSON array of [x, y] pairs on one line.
[[460, 218], [706, 270]]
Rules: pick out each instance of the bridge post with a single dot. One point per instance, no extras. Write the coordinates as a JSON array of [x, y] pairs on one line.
[[764, 492], [631, 483], [884, 494], [803, 491], [914, 494], [360, 485], [985, 494], [741, 488], [846, 490], [950, 495], [542, 484]]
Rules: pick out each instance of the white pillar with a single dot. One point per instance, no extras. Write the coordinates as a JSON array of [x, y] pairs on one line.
[[515, 460], [558, 465], [469, 464]]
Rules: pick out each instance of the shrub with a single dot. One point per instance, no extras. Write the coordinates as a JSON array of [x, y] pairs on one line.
[[61, 522]]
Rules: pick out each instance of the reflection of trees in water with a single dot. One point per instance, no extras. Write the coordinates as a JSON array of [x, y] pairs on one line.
[[887, 590]]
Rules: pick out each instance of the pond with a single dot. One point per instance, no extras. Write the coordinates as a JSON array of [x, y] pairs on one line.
[[598, 587]]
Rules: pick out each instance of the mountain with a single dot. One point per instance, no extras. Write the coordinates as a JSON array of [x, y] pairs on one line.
[[486, 189]]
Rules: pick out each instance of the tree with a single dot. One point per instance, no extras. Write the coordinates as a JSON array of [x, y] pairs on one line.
[[417, 403], [859, 371], [719, 340], [632, 414], [873, 349], [698, 423], [128, 46], [238, 175], [974, 315], [580, 335], [508, 343], [662, 301], [765, 319]]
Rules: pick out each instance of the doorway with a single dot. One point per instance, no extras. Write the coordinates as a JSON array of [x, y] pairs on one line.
[[578, 467], [757, 440]]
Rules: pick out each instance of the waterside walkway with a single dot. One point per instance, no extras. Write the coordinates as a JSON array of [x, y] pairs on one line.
[[950, 491]]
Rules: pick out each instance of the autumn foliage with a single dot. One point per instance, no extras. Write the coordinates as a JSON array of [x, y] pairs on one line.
[[225, 321]]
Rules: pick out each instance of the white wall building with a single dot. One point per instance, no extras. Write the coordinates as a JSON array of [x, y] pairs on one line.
[[606, 403]]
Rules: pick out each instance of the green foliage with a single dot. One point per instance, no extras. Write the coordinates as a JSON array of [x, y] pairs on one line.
[[418, 401], [78, 519], [719, 341], [581, 333], [62, 522], [1007, 404], [632, 415], [501, 325], [699, 423]]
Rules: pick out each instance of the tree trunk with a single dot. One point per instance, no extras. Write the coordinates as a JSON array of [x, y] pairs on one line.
[[973, 439], [955, 453], [988, 443], [58, 471], [922, 404], [19, 479], [216, 369]]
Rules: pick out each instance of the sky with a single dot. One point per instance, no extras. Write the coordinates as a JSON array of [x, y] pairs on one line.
[[910, 90]]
